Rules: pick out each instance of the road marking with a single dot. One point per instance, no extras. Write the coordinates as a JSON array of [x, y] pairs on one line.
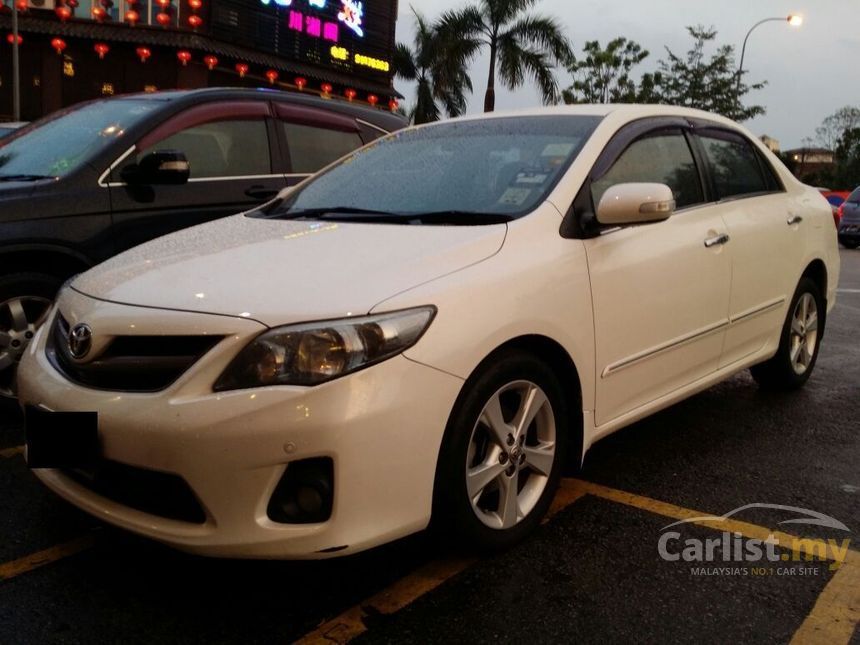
[[833, 619], [8, 453], [848, 291], [48, 556], [836, 613]]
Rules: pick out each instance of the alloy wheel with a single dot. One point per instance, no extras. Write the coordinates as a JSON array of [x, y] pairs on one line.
[[20, 317], [804, 333], [511, 454]]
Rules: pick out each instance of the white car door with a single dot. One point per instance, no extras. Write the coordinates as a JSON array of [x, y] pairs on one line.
[[660, 291], [765, 243]]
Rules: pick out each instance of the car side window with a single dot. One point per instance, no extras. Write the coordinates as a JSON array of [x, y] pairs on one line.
[[734, 166], [231, 148], [663, 158], [312, 147]]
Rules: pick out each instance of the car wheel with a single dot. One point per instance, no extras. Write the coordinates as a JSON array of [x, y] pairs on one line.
[[795, 359], [25, 300], [503, 452]]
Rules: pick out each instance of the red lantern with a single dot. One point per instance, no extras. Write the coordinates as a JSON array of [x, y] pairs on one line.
[[101, 49], [301, 82], [63, 13], [210, 61], [22, 5], [195, 21], [350, 93], [184, 56], [242, 68], [195, 4], [99, 13], [393, 105], [131, 17], [58, 44], [272, 75], [162, 18], [163, 3], [326, 88], [73, 3], [10, 38], [143, 53], [372, 99]]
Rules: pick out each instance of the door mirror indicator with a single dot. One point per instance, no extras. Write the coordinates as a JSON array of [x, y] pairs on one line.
[[161, 167], [635, 203]]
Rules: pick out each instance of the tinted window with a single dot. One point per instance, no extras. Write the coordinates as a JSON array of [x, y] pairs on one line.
[[312, 148], [64, 141], [503, 166], [854, 197], [663, 159], [222, 148], [735, 167]]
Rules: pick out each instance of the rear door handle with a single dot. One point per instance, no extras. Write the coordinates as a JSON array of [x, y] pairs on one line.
[[261, 192], [794, 219], [717, 240]]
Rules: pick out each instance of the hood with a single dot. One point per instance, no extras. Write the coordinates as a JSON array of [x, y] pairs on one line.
[[280, 271]]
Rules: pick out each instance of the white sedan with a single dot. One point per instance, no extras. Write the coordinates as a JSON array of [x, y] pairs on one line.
[[427, 329]]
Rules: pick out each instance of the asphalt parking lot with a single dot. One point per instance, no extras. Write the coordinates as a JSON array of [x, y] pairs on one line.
[[592, 573]]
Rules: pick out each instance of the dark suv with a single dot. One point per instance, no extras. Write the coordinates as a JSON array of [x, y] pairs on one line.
[[95, 179], [849, 221]]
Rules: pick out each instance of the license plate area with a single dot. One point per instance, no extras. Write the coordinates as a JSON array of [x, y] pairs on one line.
[[61, 439]]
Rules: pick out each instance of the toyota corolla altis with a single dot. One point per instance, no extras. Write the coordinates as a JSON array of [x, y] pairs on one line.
[[429, 328]]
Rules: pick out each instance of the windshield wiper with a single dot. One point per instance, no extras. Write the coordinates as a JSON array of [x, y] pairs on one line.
[[351, 214], [24, 177]]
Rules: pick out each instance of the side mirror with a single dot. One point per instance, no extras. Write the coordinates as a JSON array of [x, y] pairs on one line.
[[635, 204], [162, 167]]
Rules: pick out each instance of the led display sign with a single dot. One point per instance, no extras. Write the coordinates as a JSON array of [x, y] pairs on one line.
[[355, 37]]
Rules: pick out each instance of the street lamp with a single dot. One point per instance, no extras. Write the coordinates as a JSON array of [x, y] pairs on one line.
[[795, 20]]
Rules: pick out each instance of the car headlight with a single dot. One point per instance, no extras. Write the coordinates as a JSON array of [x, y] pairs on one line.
[[313, 353]]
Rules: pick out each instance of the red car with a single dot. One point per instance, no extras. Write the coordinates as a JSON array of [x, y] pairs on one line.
[[836, 198]]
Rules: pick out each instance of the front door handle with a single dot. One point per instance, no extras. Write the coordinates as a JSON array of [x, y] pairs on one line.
[[717, 240], [794, 219], [261, 193]]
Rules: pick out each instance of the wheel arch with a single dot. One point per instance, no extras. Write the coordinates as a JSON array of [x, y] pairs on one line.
[[817, 272], [57, 261]]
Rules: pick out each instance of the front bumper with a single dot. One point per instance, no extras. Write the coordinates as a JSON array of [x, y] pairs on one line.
[[382, 427]]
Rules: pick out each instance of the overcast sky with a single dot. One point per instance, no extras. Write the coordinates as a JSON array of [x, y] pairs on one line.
[[811, 71]]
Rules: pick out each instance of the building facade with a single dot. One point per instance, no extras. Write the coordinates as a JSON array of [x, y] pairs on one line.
[[75, 50]]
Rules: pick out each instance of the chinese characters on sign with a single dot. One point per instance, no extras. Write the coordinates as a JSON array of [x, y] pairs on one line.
[[351, 15]]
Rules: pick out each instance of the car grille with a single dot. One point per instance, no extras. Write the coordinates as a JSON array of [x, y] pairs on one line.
[[129, 363], [149, 491]]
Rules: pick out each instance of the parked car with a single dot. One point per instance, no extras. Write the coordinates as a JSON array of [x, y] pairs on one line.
[[835, 198], [9, 127], [427, 329], [101, 177], [849, 221]]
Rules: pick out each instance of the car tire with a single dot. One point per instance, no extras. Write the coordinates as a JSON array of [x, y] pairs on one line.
[[849, 245], [799, 341], [25, 300], [476, 474]]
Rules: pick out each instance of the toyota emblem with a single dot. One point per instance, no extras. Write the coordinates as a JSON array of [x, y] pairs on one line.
[[80, 340]]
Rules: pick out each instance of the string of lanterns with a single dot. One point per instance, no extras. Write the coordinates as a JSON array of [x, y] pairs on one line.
[[64, 10]]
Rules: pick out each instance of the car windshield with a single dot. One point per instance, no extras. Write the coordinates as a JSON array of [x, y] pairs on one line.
[[59, 144], [461, 172], [854, 197]]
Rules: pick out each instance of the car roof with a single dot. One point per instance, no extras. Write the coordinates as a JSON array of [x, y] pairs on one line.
[[377, 117]]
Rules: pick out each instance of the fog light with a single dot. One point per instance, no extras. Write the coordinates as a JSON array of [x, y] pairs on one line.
[[305, 493]]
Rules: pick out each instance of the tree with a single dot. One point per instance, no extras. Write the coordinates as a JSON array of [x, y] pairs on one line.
[[520, 45], [440, 73], [603, 75], [701, 82], [847, 171], [836, 125]]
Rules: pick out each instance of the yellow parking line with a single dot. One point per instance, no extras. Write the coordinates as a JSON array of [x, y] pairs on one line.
[[8, 453], [833, 619], [35, 560], [836, 613]]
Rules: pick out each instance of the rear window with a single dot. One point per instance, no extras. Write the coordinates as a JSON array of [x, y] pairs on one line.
[[735, 166], [854, 197]]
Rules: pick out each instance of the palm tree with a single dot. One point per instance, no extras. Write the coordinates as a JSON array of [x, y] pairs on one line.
[[439, 70], [521, 45]]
